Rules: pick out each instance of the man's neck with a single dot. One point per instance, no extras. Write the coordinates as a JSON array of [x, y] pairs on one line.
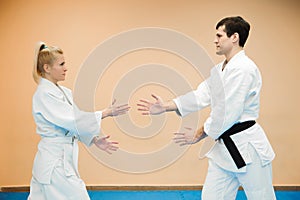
[[232, 53]]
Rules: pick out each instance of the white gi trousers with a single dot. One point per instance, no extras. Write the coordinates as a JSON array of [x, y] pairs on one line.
[[61, 187], [64, 181], [221, 184]]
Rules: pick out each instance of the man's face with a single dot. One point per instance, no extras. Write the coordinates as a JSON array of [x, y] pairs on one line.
[[223, 43]]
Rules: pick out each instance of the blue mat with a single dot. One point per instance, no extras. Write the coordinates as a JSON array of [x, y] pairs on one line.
[[150, 195]]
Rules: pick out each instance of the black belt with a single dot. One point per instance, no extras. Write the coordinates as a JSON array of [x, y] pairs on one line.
[[233, 150]]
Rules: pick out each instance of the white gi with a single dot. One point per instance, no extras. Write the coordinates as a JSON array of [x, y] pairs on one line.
[[55, 168], [233, 95]]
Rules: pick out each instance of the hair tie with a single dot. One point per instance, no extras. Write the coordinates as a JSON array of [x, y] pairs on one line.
[[43, 47]]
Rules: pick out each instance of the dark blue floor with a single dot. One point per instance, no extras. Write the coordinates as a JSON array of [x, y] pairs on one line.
[[151, 195]]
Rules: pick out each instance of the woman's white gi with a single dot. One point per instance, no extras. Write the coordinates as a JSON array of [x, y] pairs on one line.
[[60, 124], [233, 95]]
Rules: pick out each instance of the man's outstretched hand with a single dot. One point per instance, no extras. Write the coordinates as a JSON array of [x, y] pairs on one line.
[[152, 108]]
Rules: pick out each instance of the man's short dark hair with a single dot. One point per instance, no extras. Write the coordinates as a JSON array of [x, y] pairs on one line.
[[236, 25]]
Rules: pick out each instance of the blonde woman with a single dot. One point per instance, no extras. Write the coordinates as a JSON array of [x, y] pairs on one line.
[[55, 169]]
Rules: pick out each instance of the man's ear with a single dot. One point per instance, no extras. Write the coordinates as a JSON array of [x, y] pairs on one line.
[[46, 68], [235, 37]]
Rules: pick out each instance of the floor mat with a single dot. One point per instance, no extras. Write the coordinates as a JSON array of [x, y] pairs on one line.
[[151, 195]]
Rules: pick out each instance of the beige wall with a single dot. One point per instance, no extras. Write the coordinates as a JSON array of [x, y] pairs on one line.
[[78, 27]]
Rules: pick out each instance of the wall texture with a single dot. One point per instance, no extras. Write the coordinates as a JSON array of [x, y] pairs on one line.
[[78, 27]]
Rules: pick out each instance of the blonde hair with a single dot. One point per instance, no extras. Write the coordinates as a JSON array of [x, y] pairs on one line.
[[43, 55]]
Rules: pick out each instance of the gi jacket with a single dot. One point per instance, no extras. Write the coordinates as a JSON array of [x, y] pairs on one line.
[[60, 124], [233, 95]]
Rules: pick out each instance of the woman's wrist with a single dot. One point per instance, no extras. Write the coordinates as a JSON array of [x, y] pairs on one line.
[[96, 139], [104, 113]]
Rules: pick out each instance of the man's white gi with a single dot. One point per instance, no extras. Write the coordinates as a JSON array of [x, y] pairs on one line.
[[60, 124], [233, 95]]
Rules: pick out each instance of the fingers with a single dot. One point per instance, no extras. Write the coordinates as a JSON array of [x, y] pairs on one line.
[[123, 106], [144, 107], [179, 133], [114, 142], [113, 148], [113, 102], [109, 150], [188, 128], [155, 97], [184, 138], [182, 142], [120, 109], [180, 139], [107, 146], [145, 113], [120, 113], [105, 138], [145, 101]]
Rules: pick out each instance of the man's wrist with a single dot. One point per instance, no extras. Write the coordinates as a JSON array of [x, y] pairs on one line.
[[170, 106]]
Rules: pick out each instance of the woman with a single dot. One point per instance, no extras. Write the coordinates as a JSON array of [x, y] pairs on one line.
[[61, 124]]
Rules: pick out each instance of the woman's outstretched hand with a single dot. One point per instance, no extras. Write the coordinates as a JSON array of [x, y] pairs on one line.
[[104, 144], [115, 110]]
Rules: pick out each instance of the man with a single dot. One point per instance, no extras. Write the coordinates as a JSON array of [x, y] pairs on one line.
[[242, 155]]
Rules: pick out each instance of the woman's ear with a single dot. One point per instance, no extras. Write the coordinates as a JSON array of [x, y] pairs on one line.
[[46, 68]]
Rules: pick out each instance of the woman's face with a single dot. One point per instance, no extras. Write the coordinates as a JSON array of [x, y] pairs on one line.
[[57, 72]]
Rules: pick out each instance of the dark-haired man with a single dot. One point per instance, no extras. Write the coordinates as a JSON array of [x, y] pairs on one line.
[[242, 155]]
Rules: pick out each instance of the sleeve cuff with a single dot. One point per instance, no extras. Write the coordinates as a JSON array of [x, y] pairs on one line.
[[179, 108]]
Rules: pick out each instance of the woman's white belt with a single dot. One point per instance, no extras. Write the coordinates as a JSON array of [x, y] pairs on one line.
[[70, 152], [61, 140]]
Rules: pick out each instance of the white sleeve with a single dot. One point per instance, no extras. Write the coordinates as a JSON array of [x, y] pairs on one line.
[[194, 100], [85, 125], [228, 100]]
